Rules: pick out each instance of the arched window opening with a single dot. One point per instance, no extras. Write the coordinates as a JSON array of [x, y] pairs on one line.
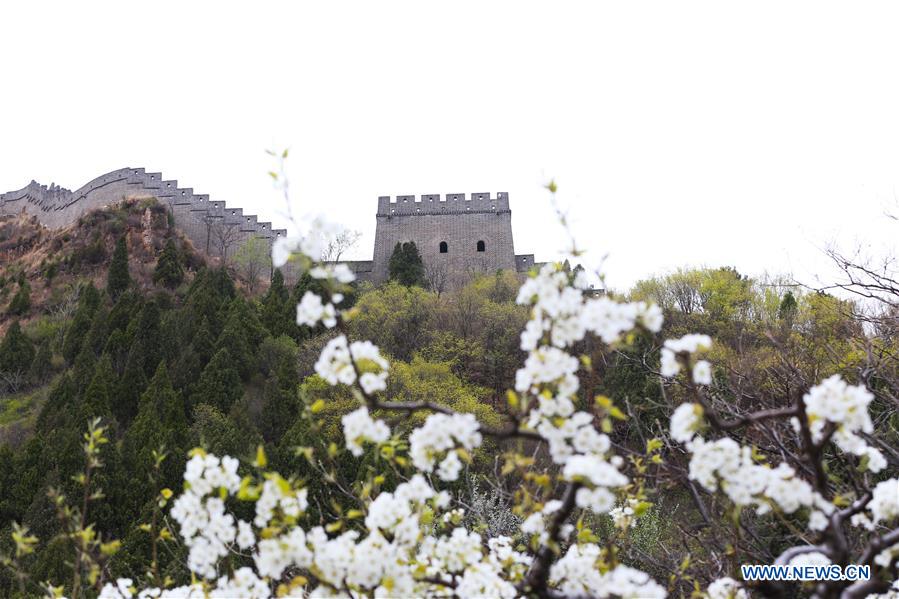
[[482, 247], [444, 248]]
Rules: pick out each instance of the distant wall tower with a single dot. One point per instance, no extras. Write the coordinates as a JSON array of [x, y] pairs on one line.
[[456, 236]]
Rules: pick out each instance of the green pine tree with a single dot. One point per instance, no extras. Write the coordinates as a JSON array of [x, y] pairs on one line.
[[21, 301], [145, 326], [97, 400], [42, 364], [219, 385], [88, 302], [169, 271], [273, 306], [788, 307], [99, 331], [203, 343], [131, 385], [119, 279], [405, 265], [160, 423], [16, 351]]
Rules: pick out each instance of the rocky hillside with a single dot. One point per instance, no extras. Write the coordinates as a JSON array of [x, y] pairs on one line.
[[53, 263]]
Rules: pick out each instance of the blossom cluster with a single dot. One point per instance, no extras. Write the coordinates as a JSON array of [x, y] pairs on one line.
[[440, 439], [359, 428], [688, 344], [835, 402], [338, 362], [205, 526]]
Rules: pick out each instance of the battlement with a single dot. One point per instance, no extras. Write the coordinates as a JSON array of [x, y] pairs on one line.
[[452, 203]]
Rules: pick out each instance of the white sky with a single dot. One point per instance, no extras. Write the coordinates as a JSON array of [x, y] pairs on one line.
[[710, 133]]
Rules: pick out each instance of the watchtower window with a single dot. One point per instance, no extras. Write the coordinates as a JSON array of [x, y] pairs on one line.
[[444, 248], [481, 246]]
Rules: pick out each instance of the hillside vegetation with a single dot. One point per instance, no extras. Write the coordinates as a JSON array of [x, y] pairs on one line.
[[119, 318]]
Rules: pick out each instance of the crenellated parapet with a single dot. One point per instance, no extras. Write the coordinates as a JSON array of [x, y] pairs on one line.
[[451, 203], [57, 207]]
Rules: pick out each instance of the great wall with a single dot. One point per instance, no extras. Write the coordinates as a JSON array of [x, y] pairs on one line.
[[456, 236]]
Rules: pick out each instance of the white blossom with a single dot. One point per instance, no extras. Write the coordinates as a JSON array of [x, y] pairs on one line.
[[359, 428]]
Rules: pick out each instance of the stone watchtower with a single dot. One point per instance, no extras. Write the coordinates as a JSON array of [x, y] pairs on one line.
[[457, 237]]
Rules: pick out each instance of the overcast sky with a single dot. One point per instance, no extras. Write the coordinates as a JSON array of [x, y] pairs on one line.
[[711, 133]]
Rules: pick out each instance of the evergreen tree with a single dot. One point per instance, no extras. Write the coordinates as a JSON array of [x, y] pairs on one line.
[[274, 305], [280, 405], [131, 385], [96, 335], [81, 322], [41, 365], [116, 347], [21, 301], [16, 351], [119, 279], [208, 292], [123, 311], [56, 409], [203, 343], [280, 408], [146, 327], [83, 368], [788, 307], [241, 336], [219, 385], [160, 423], [97, 400], [405, 265], [169, 271]]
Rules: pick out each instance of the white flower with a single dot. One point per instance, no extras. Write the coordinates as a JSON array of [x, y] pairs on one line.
[[359, 428], [450, 467], [669, 365], [702, 373], [817, 521], [685, 421], [335, 366], [122, 590], [311, 310], [593, 470], [884, 503], [441, 433], [282, 248], [598, 500]]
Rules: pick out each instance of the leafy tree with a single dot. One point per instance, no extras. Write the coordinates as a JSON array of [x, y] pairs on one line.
[[16, 351], [21, 301], [219, 384], [169, 271], [119, 278], [396, 318], [253, 258], [405, 265], [88, 302]]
